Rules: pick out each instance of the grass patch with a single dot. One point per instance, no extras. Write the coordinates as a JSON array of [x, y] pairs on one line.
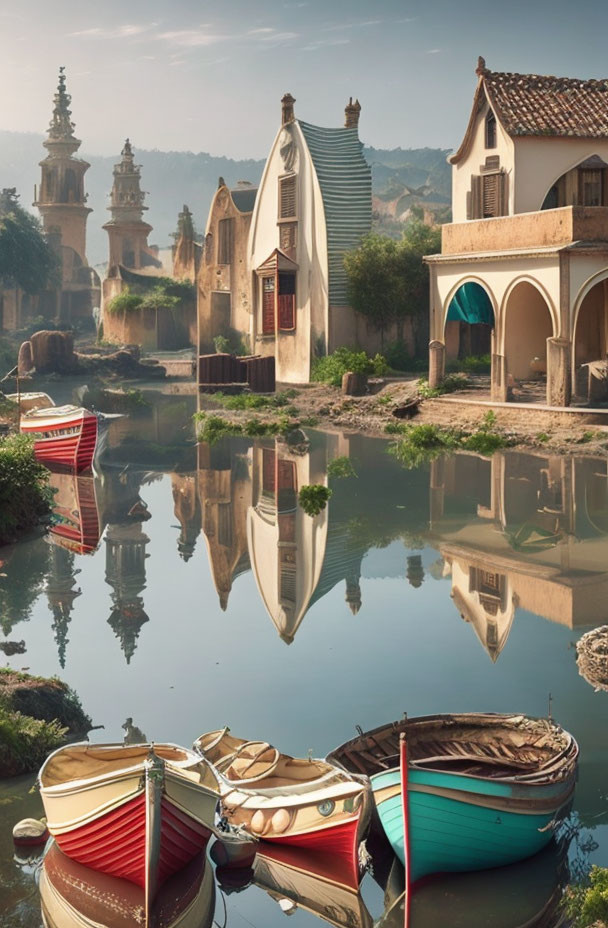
[[332, 367], [211, 428], [25, 496], [450, 384], [313, 498], [340, 468], [255, 400], [25, 743], [420, 443], [474, 364], [542, 437]]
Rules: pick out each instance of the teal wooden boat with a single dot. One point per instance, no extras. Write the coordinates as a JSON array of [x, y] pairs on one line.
[[484, 790]]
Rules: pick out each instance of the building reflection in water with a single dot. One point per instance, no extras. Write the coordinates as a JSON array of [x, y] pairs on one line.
[[126, 555], [522, 531]]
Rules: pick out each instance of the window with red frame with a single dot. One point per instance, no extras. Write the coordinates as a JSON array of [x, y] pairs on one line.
[[268, 306], [287, 301]]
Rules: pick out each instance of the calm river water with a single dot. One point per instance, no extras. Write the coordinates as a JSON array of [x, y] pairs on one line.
[[197, 594]]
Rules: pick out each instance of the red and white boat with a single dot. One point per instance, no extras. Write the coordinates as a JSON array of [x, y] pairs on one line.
[[298, 802], [139, 812], [65, 435]]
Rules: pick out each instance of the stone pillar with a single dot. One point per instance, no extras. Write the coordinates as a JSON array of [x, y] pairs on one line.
[[436, 363], [25, 361], [558, 372], [498, 379]]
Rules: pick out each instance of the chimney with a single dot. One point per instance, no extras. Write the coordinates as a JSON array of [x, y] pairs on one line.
[[287, 113], [351, 114]]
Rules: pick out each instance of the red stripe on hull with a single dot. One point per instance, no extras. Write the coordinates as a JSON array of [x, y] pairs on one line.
[[340, 840], [115, 843], [69, 450]]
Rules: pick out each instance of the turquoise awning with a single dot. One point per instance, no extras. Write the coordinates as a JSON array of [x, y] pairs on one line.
[[471, 304]]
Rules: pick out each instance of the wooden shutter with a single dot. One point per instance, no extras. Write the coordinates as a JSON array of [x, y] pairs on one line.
[[224, 255], [474, 198], [287, 197], [268, 470], [268, 306], [287, 301], [490, 195]]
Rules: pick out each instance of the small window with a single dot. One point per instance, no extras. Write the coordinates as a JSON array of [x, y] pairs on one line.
[[287, 197], [224, 524], [287, 301], [591, 187], [268, 306], [490, 130], [268, 471], [220, 310], [224, 249]]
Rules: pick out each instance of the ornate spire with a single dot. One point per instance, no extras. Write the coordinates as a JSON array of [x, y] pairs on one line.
[[127, 152], [61, 128]]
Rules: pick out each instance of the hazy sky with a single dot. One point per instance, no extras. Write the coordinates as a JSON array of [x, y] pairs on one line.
[[207, 75]]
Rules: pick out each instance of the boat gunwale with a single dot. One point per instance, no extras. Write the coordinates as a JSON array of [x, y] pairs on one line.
[[565, 759], [85, 783]]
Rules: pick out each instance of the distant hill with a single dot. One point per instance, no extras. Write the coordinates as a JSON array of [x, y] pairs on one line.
[[173, 178]]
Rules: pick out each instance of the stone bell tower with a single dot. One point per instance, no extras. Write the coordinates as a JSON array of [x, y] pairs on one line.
[[127, 231], [61, 198]]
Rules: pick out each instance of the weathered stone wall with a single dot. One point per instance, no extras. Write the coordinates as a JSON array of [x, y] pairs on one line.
[[152, 329]]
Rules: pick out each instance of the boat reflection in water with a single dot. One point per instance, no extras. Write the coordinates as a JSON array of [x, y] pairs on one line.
[[523, 895], [74, 896], [317, 883], [75, 522]]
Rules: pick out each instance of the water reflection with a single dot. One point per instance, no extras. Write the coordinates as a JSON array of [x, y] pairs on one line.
[[168, 530]]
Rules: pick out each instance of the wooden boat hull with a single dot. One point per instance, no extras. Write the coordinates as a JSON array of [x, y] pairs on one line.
[[483, 790], [69, 440], [141, 823], [327, 813], [75, 896], [456, 829]]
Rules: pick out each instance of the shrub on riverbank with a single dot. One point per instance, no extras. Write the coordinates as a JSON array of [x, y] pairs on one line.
[[210, 428], [332, 367], [35, 715], [419, 443], [587, 906], [25, 497]]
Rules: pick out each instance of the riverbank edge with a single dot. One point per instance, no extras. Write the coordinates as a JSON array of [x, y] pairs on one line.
[[323, 406]]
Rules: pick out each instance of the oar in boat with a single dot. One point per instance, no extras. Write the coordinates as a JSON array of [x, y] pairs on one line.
[[406, 827]]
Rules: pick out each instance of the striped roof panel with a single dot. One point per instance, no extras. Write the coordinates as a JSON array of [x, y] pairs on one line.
[[345, 179]]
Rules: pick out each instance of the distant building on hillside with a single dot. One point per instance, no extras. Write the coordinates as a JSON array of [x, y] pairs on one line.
[[526, 256], [62, 202]]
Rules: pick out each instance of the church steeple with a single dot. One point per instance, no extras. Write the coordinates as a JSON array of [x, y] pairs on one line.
[[61, 197], [61, 128], [127, 231]]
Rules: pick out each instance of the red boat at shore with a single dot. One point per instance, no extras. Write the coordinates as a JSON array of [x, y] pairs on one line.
[[65, 435]]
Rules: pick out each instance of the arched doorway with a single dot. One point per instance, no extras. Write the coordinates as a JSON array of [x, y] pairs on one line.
[[590, 339], [528, 325], [469, 322]]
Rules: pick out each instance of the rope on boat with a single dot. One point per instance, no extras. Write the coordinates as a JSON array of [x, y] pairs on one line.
[[592, 657]]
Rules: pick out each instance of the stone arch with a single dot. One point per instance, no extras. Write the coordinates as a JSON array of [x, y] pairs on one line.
[[589, 334], [528, 322], [525, 278], [564, 190], [461, 336]]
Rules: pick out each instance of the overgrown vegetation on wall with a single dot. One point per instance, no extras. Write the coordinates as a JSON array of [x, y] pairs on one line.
[[25, 496], [163, 294], [26, 258], [388, 280]]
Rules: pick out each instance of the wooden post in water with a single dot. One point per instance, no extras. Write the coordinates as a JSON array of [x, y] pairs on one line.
[[406, 827]]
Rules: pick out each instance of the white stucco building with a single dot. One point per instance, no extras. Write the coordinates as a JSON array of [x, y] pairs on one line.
[[313, 204], [527, 252]]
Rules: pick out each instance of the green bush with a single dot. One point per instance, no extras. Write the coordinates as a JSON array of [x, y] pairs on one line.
[[332, 367], [450, 384], [25, 743], [25, 496], [221, 344], [313, 498], [423, 442], [125, 302], [587, 905], [340, 468], [474, 364], [255, 400]]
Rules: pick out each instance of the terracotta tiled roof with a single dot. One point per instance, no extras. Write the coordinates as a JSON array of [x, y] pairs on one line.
[[532, 104]]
